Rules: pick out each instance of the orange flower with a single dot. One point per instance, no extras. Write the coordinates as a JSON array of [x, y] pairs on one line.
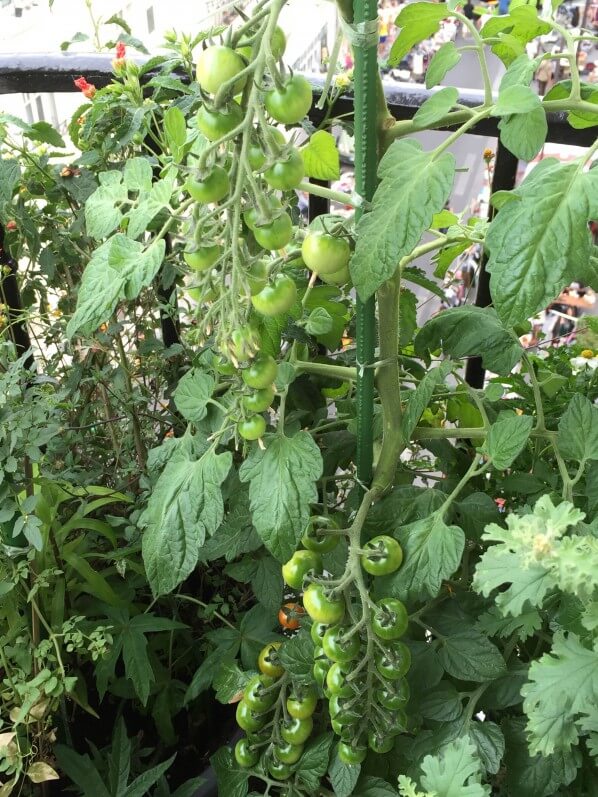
[[88, 89], [488, 155]]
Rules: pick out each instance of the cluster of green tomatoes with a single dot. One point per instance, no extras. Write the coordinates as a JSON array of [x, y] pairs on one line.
[[364, 683]]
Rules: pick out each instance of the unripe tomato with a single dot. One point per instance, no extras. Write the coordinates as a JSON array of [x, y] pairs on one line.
[[279, 770], [336, 680], [323, 606], [203, 258], [288, 618], [337, 277], [302, 703], [245, 341], [252, 428], [222, 365], [288, 753], [340, 709], [394, 661], [291, 103], [379, 742], [278, 43], [285, 175], [298, 566], [259, 400], [296, 731], [211, 188], [325, 254], [390, 619], [268, 660], [245, 755], [393, 696], [218, 64], [257, 276], [261, 373], [383, 555], [215, 124], [338, 646], [317, 632], [276, 298], [351, 754], [257, 152], [252, 216], [322, 543], [345, 730], [256, 695], [320, 671], [276, 234], [248, 719]]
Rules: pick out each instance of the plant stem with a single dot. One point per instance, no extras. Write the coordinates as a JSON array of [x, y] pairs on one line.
[[353, 200], [342, 372], [137, 435]]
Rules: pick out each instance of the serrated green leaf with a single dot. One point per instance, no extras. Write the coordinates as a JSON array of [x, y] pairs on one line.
[[418, 21], [524, 134], [578, 430], [343, 777], [436, 107], [193, 393], [414, 185], [267, 583], [44, 132], [520, 72], [137, 665], [137, 174], [444, 59], [490, 744], [319, 322], [535, 243], [229, 681], [102, 209], [418, 399], [515, 99], [185, 506], [175, 129], [320, 156], [297, 656], [470, 656], [441, 704], [524, 625], [467, 331], [232, 779], [281, 486], [314, 761], [528, 583], [506, 439], [456, 772], [10, 173]]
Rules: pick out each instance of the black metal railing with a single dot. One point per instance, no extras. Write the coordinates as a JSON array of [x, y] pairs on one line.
[[38, 73]]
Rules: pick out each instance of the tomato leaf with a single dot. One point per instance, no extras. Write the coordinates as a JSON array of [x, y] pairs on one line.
[[320, 157], [175, 129], [436, 107], [418, 21], [343, 777], [506, 438], [578, 430], [432, 552], [314, 761], [229, 680], [443, 60], [414, 186], [470, 656], [516, 99], [281, 487], [467, 331], [297, 656], [193, 393], [536, 243], [524, 134], [184, 507], [419, 398], [490, 743], [232, 779]]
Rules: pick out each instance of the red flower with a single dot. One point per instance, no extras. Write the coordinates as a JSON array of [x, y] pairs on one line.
[[88, 89], [121, 50], [11, 225]]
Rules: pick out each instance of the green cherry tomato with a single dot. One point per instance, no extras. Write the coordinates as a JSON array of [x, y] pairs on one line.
[[300, 563], [394, 661], [289, 104], [245, 341], [340, 277], [279, 770], [252, 216], [321, 605], [390, 619], [255, 694], [259, 400], [257, 276], [216, 65], [261, 373], [338, 710], [380, 742], [302, 704], [252, 428], [278, 43], [317, 632], [248, 719], [276, 298], [320, 671], [351, 754], [338, 646], [336, 681], [276, 234], [322, 543], [391, 723], [296, 731], [287, 753], [256, 152], [211, 188], [325, 253], [267, 661], [245, 756], [215, 124], [393, 696], [222, 365], [203, 258], [383, 555], [285, 175], [346, 731]]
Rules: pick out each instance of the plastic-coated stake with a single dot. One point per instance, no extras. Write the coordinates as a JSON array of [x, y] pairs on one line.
[[366, 165]]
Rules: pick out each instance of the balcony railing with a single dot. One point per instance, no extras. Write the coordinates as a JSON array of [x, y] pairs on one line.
[[26, 73]]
